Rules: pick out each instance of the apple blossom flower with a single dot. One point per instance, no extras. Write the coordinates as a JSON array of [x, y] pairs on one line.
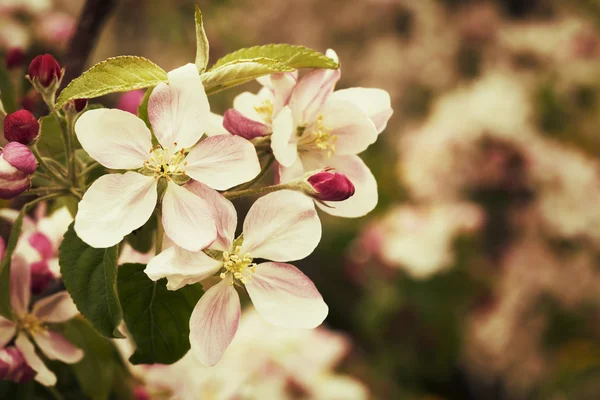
[[314, 127], [17, 164], [33, 325], [280, 226], [21, 126], [117, 204]]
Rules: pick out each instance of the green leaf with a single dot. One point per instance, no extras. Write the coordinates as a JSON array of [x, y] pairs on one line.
[[15, 232], [240, 71], [7, 91], [157, 318], [90, 276], [101, 363], [143, 108], [50, 142], [118, 74], [142, 239], [201, 43], [287, 54]]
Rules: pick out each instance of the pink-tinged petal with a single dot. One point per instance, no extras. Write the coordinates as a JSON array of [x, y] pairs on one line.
[[295, 171], [10, 215], [222, 211], [354, 130], [237, 124], [178, 111], [214, 322], [43, 374], [374, 103], [311, 92], [20, 285], [247, 103], [114, 138], [56, 308], [214, 125], [285, 297], [186, 219], [283, 139], [55, 225], [365, 196], [181, 267], [281, 226], [282, 85], [56, 347], [42, 244], [114, 206], [222, 162], [7, 331]]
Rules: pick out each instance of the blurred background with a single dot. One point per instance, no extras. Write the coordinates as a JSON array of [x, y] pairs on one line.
[[477, 276]]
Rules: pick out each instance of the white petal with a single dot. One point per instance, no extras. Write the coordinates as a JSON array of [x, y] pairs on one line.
[[222, 211], [187, 219], [56, 308], [56, 347], [247, 102], [295, 171], [311, 92], [282, 85], [116, 139], [178, 112], [374, 103], [181, 267], [44, 375], [214, 322], [286, 297], [222, 162], [354, 130], [7, 331], [113, 207], [214, 125], [281, 226], [20, 285], [283, 139], [365, 197]]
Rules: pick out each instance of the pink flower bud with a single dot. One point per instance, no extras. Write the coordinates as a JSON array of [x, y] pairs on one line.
[[14, 58], [130, 101], [14, 367], [46, 69], [331, 186], [21, 126], [237, 124], [40, 276], [17, 163]]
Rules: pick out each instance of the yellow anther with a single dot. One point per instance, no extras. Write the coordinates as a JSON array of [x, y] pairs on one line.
[[31, 324], [239, 266], [318, 138], [265, 111]]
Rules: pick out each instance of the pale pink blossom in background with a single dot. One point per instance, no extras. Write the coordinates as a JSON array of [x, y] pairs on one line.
[[130, 101], [280, 226]]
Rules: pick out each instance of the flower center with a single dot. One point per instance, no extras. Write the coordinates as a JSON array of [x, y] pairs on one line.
[[166, 163], [240, 266], [31, 324], [265, 111], [317, 137]]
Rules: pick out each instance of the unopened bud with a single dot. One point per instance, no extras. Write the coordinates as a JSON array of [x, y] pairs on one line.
[[329, 185], [21, 126], [14, 58], [17, 163], [130, 101], [80, 104], [45, 69], [237, 124], [13, 366]]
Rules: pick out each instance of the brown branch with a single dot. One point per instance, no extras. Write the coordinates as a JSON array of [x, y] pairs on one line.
[[91, 20]]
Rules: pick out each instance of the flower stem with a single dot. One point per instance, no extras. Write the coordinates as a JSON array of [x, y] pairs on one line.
[[69, 132], [55, 174], [259, 191]]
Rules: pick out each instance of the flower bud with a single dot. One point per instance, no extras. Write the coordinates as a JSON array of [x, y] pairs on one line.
[[14, 58], [21, 126], [17, 163], [130, 101], [80, 104], [329, 185], [45, 69], [14, 367], [237, 124], [41, 276]]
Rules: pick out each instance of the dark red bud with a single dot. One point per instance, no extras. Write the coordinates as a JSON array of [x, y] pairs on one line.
[[46, 69], [14, 58], [21, 126], [40, 276], [80, 104], [331, 186]]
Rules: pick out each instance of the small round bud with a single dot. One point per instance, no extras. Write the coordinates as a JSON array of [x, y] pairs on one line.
[[21, 126], [14, 58], [329, 185], [46, 69], [17, 163], [80, 104], [13, 366]]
